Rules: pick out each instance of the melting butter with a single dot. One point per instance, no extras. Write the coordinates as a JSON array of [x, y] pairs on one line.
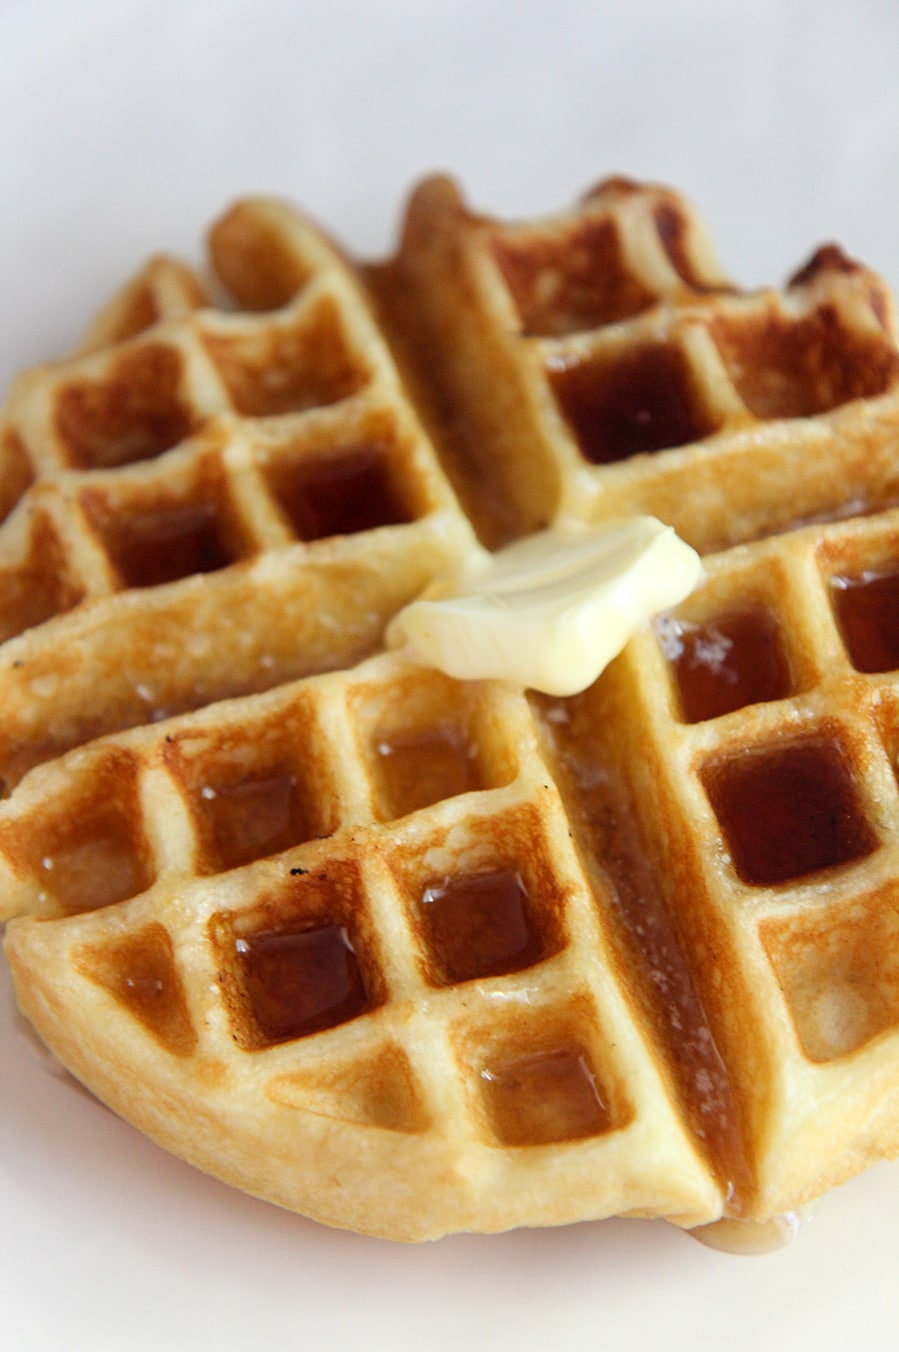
[[550, 611]]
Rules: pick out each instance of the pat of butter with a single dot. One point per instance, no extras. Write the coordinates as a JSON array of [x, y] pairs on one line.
[[551, 611]]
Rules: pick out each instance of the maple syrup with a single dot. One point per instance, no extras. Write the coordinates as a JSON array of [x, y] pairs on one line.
[[417, 769], [340, 494], [729, 662], [544, 1098], [600, 804], [154, 547], [634, 403], [480, 925], [95, 864], [867, 610], [300, 981], [140, 972], [788, 812], [253, 818]]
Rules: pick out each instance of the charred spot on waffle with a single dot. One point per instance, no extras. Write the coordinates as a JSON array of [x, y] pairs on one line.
[[673, 227]]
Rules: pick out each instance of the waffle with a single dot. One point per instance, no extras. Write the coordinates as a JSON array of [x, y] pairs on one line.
[[571, 352], [205, 502], [413, 955]]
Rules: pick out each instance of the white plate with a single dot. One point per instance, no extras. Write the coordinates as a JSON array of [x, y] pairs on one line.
[[124, 129]]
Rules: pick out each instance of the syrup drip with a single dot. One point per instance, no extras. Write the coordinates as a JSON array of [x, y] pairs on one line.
[[752, 1238]]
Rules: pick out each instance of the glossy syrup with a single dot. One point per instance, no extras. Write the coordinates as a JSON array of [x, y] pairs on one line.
[[298, 982], [94, 862], [544, 1097], [625, 406], [788, 812], [253, 818], [480, 925], [729, 662], [663, 981], [867, 610], [342, 494], [419, 768], [169, 543]]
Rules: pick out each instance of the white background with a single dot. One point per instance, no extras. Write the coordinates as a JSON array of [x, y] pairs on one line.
[[124, 128]]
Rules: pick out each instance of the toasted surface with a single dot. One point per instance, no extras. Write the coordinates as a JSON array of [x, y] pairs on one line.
[[413, 955]]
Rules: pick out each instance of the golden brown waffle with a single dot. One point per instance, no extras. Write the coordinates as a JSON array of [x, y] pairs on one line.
[[211, 504], [563, 356], [412, 955]]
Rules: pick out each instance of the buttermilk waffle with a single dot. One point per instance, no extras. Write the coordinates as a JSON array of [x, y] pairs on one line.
[[415, 955]]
